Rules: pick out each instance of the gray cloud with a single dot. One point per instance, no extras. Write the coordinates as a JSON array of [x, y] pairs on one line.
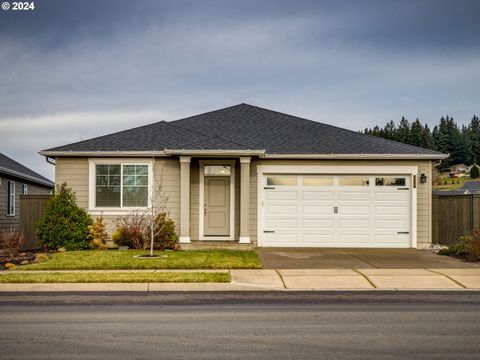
[[73, 70]]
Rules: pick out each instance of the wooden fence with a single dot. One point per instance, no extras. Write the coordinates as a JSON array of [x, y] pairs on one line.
[[31, 210], [454, 216]]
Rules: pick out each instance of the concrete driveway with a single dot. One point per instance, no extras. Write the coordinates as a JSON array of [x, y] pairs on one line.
[[328, 258]]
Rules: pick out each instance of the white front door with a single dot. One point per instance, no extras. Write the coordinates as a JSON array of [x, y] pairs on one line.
[[336, 211]]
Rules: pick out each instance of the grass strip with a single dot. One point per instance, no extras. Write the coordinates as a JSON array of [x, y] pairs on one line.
[[125, 260], [166, 277]]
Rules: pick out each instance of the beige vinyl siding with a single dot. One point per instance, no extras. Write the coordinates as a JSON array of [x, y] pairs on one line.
[[424, 191], [74, 172]]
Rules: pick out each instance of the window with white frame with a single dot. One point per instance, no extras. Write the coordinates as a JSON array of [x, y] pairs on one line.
[[10, 198], [24, 189], [121, 185]]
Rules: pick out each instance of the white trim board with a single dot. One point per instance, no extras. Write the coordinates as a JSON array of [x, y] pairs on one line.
[[201, 200]]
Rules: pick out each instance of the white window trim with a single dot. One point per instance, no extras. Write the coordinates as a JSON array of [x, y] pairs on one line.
[[92, 209], [9, 198], [263, 170], [201, 217]]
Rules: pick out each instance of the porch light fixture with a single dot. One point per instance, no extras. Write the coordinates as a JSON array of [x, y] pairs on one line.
[[423, 178]]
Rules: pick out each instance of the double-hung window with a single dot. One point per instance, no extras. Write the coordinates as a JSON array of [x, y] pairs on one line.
[[10, 198], [121, 185]]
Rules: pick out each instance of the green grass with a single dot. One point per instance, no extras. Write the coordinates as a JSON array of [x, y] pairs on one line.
[[452, 183], [125, 260], [162, 277]]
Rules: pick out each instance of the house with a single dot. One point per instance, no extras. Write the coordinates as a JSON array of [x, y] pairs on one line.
[[251, 175], [17, 180], [458, 168], [468, 188]]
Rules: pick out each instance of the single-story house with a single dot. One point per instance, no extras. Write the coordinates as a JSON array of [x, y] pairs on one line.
[[251, 175], [16, 180], [468, 188]]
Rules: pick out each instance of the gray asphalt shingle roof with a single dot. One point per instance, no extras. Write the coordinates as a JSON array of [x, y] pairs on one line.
[[471, 185], [13, 168], [245, 127]]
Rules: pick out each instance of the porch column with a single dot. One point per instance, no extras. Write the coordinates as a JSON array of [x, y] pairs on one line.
[[244, 200], [185, 199]]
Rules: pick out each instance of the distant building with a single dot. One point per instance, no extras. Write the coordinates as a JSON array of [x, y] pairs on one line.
[[16, 180]]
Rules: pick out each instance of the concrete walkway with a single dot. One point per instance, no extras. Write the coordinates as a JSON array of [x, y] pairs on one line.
[[293, 280]]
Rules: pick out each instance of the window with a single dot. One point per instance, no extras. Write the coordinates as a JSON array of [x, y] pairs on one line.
[[10, 198], [318, 181], [218, 170], [282, 180], [24, 189], [121, 185], [354, 181], [390, 181]]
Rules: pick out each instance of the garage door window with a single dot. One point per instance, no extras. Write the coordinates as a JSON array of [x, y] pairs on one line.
[[354, 181], [390, 181], [281, 181], [318, 181]]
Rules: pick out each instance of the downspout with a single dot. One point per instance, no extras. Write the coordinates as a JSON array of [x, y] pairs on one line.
[[50, 160]]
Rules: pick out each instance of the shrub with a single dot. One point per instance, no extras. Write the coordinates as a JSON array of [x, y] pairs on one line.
[[467, 247], [64, 224], [98, 235], [11, 241], [132, 231], [475, 172], [165, 235]]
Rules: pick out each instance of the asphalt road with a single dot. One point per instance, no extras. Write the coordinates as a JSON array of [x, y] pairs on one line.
[[348, 325]]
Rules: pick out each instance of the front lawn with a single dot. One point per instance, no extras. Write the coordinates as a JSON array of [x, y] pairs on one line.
[[161, 277], [125, 260]]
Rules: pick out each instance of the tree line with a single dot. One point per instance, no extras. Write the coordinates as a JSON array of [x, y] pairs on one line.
[[461, 142]]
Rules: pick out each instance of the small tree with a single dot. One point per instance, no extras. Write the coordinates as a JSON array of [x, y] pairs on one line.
[[64, 224], [475, 172]]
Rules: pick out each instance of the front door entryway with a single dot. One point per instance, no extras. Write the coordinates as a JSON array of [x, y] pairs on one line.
[[217, 206]]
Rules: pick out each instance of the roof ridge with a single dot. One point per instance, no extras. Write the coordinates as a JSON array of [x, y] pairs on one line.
[[208, 136], [342, 129], [206, 113]]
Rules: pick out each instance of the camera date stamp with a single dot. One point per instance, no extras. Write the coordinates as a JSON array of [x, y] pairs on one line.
[[18, 5]]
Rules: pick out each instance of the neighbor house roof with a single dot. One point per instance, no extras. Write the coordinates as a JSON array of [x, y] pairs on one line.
[[471, 185], [10, 167], [244, 129]]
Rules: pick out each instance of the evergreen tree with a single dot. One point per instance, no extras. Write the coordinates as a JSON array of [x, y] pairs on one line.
[[473, 140]]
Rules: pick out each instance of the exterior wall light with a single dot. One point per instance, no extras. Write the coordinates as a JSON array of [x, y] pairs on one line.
[[423, 178]]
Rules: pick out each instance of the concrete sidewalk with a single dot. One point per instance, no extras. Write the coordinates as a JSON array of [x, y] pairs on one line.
[[291, 280]]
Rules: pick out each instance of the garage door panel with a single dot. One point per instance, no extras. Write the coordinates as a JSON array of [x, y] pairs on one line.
[[354, 195], [317, 209], [353, 239], [319, 239], [354, 210], [391, 210], [391, 224], [392, 196], [318, 196], [353, 223], [281, 223], [281, 195], [318, 224], [282, 209]]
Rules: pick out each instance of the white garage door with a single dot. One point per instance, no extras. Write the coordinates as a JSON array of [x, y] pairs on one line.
[[336, 211]]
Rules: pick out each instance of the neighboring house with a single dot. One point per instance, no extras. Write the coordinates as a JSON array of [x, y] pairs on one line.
[[458, 170], [17, 180], [249, 174], [468, 188]]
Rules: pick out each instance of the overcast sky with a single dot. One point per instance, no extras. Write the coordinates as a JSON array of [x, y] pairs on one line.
[[71, 70]]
